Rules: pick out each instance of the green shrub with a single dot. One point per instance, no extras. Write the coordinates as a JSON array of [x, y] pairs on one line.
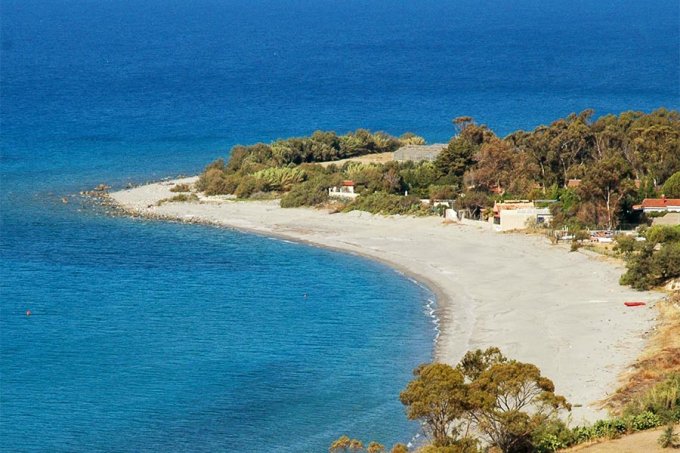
[[663, 234], [552, 436], [583, 434], [624, 244], [309, 193], [645, 420], [652, 265], [387, 204]]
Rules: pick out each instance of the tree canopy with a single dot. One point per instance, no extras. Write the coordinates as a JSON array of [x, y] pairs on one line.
[[503, 400]]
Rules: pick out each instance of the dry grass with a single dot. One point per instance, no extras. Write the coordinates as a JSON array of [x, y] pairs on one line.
[[661, 357], [645, 441], [180, 188]]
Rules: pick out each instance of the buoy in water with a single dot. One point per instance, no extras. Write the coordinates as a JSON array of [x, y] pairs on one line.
[[28, 313]]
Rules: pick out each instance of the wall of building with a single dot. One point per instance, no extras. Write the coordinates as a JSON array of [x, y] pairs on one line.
[[516, 219]]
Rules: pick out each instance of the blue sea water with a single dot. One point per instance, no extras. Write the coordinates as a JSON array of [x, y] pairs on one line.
[[149, 336]]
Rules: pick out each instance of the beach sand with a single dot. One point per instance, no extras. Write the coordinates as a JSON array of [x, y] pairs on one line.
[[539, 303]]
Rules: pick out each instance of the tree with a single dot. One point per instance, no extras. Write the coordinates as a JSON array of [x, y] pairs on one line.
[[474, 363], [608, 181], [659, 147], [456, 158], [399, 448], [570, 145], [509, 400], [437, 397], [671, 188], [499, 165]]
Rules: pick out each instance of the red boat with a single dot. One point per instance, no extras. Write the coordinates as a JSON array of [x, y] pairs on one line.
[[634, 304]]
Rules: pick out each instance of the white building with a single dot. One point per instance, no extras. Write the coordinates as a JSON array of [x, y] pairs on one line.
[[346, 190], [518, 215]]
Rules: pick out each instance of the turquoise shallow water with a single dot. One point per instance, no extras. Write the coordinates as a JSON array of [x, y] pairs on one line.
[[165, 337]]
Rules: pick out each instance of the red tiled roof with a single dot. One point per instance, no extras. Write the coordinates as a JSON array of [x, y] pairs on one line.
[[573, 183], [660, 202], [347, 183]]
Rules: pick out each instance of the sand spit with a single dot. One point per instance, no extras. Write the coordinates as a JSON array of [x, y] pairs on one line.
[[538, 303]]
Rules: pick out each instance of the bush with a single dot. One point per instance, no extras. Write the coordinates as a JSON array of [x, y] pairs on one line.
[[663, 234], [387, 204], [309, 193], [645, 420], [579, 237], [180, 188], [444, 192], [215, 182], [552, 436], [654, 261], [609, 429], [248, 186], [624, 244]]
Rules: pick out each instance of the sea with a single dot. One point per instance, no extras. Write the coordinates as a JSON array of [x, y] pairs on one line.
[[146, 336]]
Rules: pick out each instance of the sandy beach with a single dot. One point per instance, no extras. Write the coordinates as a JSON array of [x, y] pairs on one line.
[[539, 303]]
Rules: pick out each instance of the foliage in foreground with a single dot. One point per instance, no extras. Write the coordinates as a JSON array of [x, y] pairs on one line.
[[503, 400], [488, 400]]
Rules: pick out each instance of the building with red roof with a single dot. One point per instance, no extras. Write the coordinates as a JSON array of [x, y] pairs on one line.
[[662, 204]]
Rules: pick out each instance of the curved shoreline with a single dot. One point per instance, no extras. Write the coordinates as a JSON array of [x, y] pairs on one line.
[[561, 311]]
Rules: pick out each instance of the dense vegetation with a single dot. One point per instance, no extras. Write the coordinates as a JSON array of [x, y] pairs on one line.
[[488, 401], [287, 169], [617, 160]]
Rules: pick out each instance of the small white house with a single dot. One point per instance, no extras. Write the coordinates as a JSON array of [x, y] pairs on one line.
[[346, 190]]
